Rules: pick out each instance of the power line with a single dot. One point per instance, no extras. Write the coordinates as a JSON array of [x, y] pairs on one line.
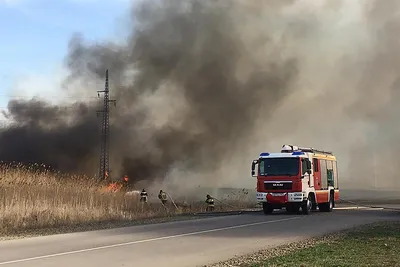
[[105, 130]]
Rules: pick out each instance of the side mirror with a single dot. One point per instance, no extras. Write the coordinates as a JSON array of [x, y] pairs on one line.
[[309, 171], [308, 162], [253, 167]]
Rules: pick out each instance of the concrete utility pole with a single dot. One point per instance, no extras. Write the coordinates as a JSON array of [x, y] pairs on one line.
[[104, 169]]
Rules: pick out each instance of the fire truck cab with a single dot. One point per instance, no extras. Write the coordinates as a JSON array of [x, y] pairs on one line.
[[297, 179]]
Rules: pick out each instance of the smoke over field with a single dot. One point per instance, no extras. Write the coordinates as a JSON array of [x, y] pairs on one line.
[[203, 86]]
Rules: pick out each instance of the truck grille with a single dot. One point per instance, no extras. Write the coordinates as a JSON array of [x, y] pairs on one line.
[[278, 186]]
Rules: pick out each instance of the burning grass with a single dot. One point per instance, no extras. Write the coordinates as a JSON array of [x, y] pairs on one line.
[[34, 197]]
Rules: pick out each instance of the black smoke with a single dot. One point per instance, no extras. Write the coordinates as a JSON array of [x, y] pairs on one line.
[[191, 52], [62, 137]]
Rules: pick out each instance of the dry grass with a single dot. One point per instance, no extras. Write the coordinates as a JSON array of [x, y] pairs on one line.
[[33, 199]]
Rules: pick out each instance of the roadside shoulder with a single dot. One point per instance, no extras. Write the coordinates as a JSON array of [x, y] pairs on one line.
[[268, 256]]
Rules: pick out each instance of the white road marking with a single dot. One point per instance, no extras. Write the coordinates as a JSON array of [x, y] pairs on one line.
[[145, 241], [357, 208]]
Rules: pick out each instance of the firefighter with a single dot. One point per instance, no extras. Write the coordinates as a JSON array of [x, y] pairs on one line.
[[210, 203], [163, 197], [143, 196], [125, 182]]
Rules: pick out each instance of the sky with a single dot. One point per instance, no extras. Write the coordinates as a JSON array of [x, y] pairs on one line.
[[34, 40]]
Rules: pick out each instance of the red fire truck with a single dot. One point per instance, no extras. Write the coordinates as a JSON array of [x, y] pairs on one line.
[[297, 179]]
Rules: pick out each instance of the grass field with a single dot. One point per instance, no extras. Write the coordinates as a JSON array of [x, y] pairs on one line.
[[374, 245], [36, 199]]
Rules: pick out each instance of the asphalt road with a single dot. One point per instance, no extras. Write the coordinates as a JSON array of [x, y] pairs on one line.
[[185, 243]]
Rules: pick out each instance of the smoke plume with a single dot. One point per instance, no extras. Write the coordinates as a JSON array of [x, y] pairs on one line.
[[202, 87]]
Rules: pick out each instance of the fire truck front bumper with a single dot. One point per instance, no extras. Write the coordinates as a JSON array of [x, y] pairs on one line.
[[280, 197]]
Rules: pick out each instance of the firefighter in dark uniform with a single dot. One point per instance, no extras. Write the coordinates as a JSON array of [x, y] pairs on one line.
[[143, 196], [162, 196], [210, 203]]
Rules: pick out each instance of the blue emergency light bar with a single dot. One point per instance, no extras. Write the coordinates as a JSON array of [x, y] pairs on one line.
[[297, 153], [264, 154]]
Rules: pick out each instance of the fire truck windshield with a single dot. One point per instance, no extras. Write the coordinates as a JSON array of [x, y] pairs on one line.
[[279, 166]]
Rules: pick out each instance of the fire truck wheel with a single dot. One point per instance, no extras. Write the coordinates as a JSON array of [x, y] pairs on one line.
[[314, 206], [331, 202], [327, 207], [306, 206], [267, 208]]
